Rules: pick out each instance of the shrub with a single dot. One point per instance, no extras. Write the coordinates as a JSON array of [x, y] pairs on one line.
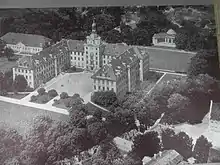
[[41, 91], [52, 93], [33, 98], [44, 99], [29, 89], [64, 95]]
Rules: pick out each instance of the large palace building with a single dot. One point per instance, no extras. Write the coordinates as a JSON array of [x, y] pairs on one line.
[[117, 67]]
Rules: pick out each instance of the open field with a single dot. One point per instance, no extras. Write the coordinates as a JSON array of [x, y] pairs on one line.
[[20, 117], [72, 83], [169, 60], [6, 65]]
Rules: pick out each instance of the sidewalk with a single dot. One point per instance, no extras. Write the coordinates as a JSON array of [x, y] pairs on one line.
[[34, 105]]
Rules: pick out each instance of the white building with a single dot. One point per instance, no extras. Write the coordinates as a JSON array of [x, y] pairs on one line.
[[25, 44], [164, 39]]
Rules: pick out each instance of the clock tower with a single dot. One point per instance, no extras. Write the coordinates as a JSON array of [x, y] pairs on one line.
[[92, 50]]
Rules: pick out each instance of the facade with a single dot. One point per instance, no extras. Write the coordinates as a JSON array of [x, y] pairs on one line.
[[25, 44], [123, 73], [164, 39], [214, 117], [116, 67], [45, 65]]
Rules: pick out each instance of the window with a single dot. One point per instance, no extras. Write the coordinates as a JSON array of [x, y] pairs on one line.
[[29, 77], [94, 87], [108, 88], [86, 52], [26, 77], [78, 58], [71, 57], [26, 71], [74, 58], [99, 87], [103, 88], [82, 59]]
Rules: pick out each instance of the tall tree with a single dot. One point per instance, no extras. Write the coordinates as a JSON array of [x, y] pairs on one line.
[[201, 150], [147, 144], [20, 83]]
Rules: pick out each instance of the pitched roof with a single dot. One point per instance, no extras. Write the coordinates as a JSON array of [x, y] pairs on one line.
[[26, 61], [214, 154], [115, 49], [118, 64], [166, 157], [163, 35], [51, 52], [76, 45], [215, 111], [31, 40], [107, 70]]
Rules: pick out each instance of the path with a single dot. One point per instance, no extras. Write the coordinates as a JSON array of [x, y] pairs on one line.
[[104, 109], [34, 105]]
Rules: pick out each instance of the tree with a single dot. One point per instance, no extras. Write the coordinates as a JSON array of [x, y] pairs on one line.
[[141, 37], [9, 53], [41, 91], [104, 98], [10, 144], [180, 142], [97, 131], [113, 36], [205, 61], [181, 40], [64, 95], [147, 144], [77, 118], [2, 46], [52, 93], [201, 150], [20, 83]]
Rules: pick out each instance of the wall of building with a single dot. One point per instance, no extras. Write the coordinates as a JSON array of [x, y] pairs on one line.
[[77, 59], [169, 42], [122, 84], [26, 49], [214, 126], [103, 85], [27, 73]]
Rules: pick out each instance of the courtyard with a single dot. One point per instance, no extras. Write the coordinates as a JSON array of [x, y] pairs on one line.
[[72, 83]]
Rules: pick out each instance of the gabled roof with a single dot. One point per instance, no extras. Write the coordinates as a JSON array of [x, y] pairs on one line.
[[215, 111], [169, 33], [115, 49], [31, 40], [26, 61], [107, 71], [166, 157], [76, 45]]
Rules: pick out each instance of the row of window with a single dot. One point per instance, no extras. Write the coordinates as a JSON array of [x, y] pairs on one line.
[[26, 77], [22, 70], [102, 88], [103, 82], [25, 48]]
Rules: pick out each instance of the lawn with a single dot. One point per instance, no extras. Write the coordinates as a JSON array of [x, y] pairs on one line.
[[6, 65], [72, 83], [16, 96], [20, 117], [169, 77], [169, 60]]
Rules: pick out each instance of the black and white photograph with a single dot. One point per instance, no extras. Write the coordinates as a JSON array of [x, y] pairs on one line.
[[109, 85]]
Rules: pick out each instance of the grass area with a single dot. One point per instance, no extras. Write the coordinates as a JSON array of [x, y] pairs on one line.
[[6, 65], [41, 99], [169, 77], [150, 80], [169, 60], [21, 117], [91, 109], [16, 96]]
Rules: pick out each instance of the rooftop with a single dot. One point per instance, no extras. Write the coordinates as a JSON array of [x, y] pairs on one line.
[[76, 45], [169, 33], [166, 157], [31, 40]]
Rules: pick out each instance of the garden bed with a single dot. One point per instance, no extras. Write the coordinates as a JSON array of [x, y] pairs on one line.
[[43, 97], [16, 96], [66, 101]]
